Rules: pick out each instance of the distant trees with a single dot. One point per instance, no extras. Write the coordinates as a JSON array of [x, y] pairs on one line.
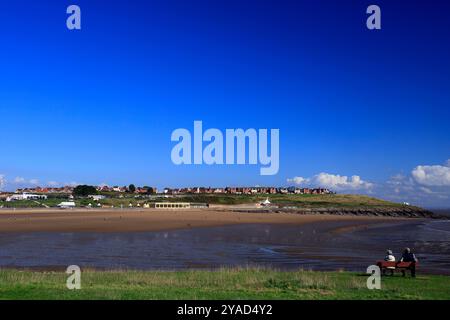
[[84, 190], [150, 190]]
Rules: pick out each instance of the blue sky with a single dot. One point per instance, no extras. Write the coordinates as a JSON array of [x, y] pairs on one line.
[[99, 105]]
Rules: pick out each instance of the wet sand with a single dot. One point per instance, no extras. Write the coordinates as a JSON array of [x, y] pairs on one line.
[[158, 239], [329, 245], [142, 220]]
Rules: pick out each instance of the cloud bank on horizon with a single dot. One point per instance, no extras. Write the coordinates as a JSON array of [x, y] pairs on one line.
[[433, 176], [427, 185], [333, 181], [23, 181]]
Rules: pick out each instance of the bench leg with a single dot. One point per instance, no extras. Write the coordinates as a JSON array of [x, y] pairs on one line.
[[413, 271]]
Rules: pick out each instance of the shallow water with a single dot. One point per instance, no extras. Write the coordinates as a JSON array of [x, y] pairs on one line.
[[317, 246]]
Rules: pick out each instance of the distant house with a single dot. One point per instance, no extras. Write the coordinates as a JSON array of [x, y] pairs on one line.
[[4, 196], [104, 188], [230, 190], [283, 190], [120, 189], [272, 190], [305, 191], [142, 190], [97, 197]]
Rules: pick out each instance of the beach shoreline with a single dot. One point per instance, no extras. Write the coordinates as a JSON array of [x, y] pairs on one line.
[[145, 220]]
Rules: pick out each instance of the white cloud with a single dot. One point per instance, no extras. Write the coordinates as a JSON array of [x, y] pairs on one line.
[[432, 175], [2, 181], [400, 183], [333, 181], [72, 184], [53, 184], [423, 187], [426, 190], [298, 180], [19, 180], [342, 182], [23, 181], [34, 181]]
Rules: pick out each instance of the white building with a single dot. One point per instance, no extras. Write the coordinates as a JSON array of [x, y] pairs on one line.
[[97, 197], [26, 196], [172, 205], [67, 204]]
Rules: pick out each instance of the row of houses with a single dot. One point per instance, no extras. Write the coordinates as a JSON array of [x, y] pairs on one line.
[[247, 190], [66, 189], [139, 190], [69, 190], [194, 190]]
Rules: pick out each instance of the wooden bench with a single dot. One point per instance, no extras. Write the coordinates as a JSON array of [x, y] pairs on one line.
[[397, 266]]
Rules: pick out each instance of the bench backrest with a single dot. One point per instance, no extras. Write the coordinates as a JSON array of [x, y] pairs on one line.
[[395, 264]]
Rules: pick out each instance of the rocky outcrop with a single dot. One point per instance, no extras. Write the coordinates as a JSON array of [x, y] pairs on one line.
[[400, 212]]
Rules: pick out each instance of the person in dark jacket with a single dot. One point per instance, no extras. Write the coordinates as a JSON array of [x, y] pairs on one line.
[[408, 256]]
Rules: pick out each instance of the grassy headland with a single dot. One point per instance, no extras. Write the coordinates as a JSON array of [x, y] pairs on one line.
[[245, 283], [282, 200], [300, 200]]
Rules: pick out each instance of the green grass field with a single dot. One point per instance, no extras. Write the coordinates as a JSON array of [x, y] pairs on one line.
[[300, 200], [295, 200], [245, 283]]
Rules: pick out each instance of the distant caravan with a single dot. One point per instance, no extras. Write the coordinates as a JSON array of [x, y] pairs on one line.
[[67, 205]]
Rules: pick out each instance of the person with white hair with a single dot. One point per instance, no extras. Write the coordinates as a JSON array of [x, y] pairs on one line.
[[390, 257]]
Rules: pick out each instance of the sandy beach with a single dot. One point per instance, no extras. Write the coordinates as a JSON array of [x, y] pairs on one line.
[[140, 220]]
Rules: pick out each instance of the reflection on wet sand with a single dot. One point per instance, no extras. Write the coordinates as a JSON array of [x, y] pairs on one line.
[[331, 245]]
